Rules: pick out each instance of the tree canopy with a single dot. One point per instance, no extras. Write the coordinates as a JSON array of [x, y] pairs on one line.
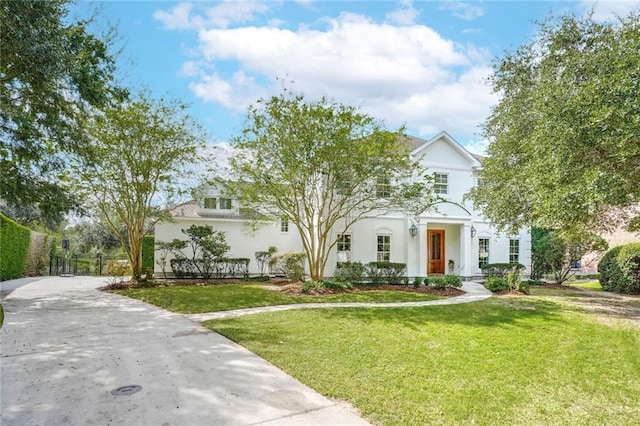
[[565, 136], [322, 166], [52, 74], [139, 154]]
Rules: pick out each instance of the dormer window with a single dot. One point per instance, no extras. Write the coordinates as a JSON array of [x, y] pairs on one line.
[[210, 203], [441, 183], [225, 204]]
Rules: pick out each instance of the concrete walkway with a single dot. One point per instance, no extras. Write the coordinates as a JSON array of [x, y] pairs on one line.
[[473, 292], [66, 346]]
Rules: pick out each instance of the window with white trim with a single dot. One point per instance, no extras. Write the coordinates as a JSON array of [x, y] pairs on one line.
[[383, 187], [514, 250], [209, 203], [383, 249], [483, 251], [284, 224], [225, 203], [441, 183], [344, 247]]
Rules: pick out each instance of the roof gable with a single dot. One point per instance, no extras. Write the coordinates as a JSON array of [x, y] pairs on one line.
[[443, 149]]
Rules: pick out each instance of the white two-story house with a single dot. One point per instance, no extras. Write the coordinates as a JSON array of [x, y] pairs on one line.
[[450, 238]]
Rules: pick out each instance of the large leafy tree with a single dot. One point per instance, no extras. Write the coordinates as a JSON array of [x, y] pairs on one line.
[[141, 152], [565, 136], [323, 166], [52, 73]]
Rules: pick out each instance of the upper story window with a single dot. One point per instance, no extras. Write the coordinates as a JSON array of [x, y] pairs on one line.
[[284, 224], [383, 250], [225, 203], [383, 187], [210, 203], [344, 248], [441, 183], [343, 187], [514, 251], [483, 251]]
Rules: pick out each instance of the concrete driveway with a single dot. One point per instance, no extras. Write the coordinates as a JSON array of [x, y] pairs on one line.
[[66, 346]]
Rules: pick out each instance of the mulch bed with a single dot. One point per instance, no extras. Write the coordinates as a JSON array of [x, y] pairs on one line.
[[285, 286], [295, 289]]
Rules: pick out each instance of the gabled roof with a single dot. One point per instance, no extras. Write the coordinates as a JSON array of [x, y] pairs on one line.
[[418, 145]]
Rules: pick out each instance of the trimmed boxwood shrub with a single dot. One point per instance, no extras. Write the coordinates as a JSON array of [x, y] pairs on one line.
[[496, 284], [620, 269], [14, 248], [349, 272], [499, 269], [445, 281], [386, 272]]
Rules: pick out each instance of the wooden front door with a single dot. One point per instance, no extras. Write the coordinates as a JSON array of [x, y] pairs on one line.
[[435, 251]]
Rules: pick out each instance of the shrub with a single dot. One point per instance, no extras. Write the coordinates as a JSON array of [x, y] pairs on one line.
[[496, 284], [15, 247], [38, 257], [417, 281], [444, 281], [337, 285], [291, 265], [386, 272], [499, 269], [534, 282], [620, 269], [350, 272], [257, 278], [118, 268]]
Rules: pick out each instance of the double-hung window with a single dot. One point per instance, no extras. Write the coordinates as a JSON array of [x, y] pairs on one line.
[[209, 203], [441, 183], [225, 203], [344, 248], [284, 224], [514, 251], [383, 187], [383, 249]]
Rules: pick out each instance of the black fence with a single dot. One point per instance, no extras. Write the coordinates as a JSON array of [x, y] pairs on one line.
[[77, 265]]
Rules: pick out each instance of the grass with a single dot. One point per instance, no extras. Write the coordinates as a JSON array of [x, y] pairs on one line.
[[589, 285], [198, 299], [507, 360]]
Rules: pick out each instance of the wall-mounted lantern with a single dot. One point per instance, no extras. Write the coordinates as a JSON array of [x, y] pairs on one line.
[[473, 231], [413, 230]]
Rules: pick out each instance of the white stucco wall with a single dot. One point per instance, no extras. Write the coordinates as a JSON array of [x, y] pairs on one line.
[[242, 241]]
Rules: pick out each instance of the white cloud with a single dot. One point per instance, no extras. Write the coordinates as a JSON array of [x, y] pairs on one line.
[[406, 14], [401, 74], [609, 10], [178, 18], [221, 15], [464, 10]]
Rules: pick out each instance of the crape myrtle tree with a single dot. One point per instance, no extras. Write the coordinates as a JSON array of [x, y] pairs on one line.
[[322, 166], [53, 72], [141, 152], [565, 136]]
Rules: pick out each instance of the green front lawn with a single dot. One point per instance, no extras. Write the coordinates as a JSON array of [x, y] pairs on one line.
[[507, 360], [198, 299], [590, 285]]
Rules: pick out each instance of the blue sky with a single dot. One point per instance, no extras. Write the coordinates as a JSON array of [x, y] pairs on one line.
[[418, 63]]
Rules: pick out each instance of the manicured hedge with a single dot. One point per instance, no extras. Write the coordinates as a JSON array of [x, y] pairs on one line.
[[620, 269], [148, 248], [14, 247], [499, 269]]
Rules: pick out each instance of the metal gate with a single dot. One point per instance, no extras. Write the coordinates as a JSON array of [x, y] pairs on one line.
[[75, 265]]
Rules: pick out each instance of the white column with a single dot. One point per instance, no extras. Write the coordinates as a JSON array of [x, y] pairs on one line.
[[422, 249], [466, 251]]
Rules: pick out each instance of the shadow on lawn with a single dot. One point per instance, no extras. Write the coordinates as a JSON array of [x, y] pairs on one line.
[[495, 312]]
